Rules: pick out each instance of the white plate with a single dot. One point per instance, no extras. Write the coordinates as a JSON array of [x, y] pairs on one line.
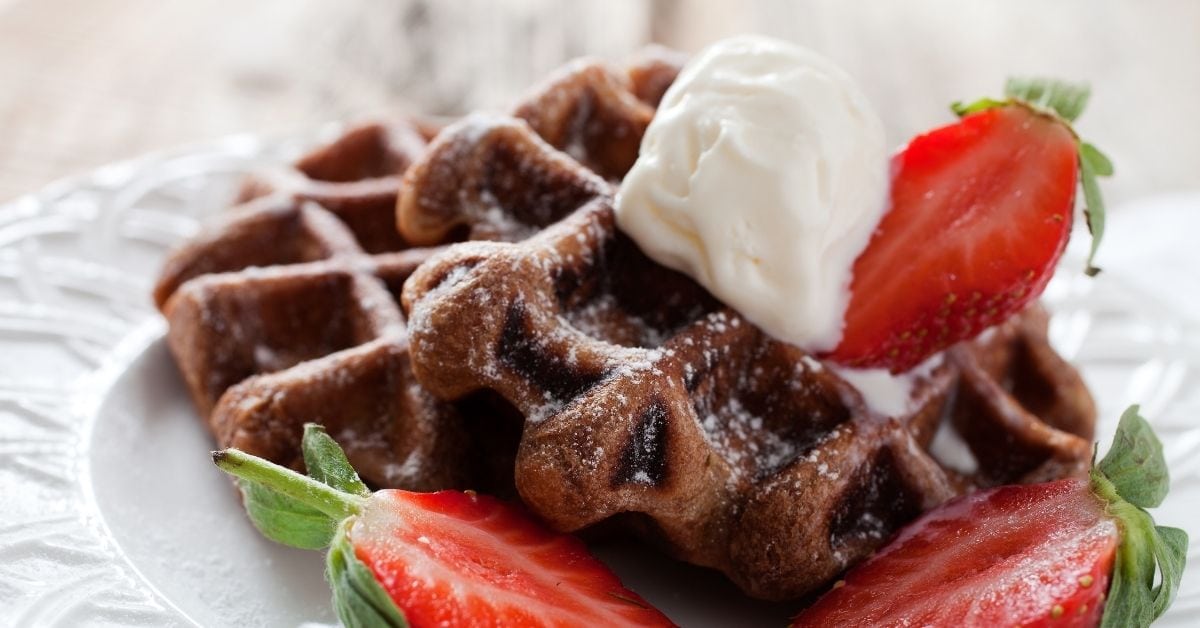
[[112, 514]]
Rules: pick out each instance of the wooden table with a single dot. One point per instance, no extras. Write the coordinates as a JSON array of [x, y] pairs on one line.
[[85, 83]]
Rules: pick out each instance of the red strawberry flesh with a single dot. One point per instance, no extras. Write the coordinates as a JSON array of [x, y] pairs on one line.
[[461, 559], [980, 214], [1036, 555]]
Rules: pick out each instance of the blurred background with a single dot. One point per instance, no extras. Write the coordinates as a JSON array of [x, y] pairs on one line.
[[90, 82]]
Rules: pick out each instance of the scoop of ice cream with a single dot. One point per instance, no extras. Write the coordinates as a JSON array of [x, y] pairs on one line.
[[762, 176]]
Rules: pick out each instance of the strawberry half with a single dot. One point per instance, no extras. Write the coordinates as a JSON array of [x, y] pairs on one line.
[[980, 213], [1033, 555], [449, 558]]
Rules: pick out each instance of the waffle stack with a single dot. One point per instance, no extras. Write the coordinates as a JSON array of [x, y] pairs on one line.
[[550, 351]]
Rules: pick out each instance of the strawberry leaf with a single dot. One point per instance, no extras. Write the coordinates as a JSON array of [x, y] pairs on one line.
[[1068, 100], [1100, 162], [1171, 551], [358, 598], [1135, 463], [961, 109], [284, 519], [327, 462], [1092, 164], [1128, 604], [1130, 478]]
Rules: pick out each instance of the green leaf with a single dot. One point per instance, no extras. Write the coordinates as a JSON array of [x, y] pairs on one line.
[[358, 598], [1128, 604], [1066, 99], [1131, 597], [1099, 162], [1131, 477], [1171, 551], [327, 463], [284, 519], [961, 109], [1093, 164], [1135, 463]]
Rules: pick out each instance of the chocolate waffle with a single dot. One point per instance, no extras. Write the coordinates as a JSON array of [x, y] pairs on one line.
[[282, 312], [651, 407], [355, 177], [589, 110]]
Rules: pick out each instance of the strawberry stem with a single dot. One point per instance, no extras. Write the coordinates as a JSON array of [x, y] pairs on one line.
[[1104, 488], [330, 501]]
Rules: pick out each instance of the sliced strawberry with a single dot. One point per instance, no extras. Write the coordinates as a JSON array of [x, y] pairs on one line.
[[980, 213], [460, 559], [399, 559], [1034, 555], [1015, 555]]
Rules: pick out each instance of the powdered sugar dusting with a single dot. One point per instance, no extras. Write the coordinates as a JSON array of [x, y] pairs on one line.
[[603, 317], [811, 364], [742, 439]]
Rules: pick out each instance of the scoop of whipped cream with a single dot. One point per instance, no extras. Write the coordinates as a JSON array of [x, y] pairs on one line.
[[762, 176]]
